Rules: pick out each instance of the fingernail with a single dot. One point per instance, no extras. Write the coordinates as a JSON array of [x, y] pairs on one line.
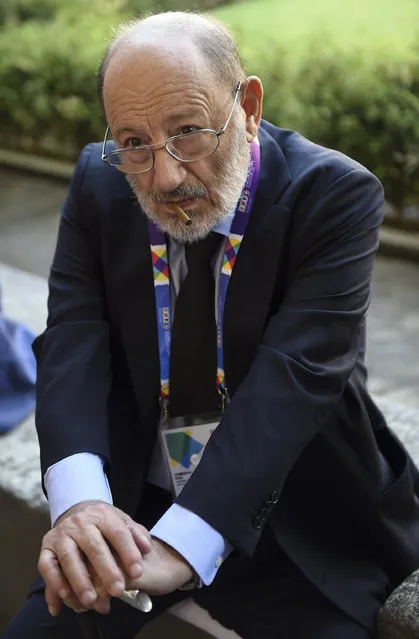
[[88, 597], [52, 611], [135, 570], [106, 608], [103, 607], [116, 588]]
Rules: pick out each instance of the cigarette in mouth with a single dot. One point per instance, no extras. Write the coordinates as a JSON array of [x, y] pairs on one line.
[[182, 215]]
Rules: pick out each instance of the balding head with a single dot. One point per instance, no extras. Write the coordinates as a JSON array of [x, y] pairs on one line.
[[169, 77], [190, 34]]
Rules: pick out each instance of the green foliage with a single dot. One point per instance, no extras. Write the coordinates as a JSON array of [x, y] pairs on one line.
[[371, 114], [13, 12], [47, 86], [342, 78], [49, 55], [140, 6], [347, 78]]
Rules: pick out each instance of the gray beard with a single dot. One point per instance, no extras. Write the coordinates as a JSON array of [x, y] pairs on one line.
[[226, 191]]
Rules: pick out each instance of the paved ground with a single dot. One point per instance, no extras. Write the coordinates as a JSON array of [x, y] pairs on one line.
[[393, 331], [28, 219]]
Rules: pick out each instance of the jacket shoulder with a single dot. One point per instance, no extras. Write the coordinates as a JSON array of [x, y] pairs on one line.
[[93, 175], [307, 160]]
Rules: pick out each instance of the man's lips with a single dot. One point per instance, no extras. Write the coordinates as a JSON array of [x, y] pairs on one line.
[[184, 204]]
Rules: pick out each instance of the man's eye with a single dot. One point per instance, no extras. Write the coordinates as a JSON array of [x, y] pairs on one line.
[[134, 142], [188, 129]]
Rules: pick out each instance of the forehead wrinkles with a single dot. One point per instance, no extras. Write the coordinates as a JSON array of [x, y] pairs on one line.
[[127, 103], [152, 73]]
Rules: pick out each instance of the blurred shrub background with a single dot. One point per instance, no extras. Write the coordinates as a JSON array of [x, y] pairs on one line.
[[344, 74]]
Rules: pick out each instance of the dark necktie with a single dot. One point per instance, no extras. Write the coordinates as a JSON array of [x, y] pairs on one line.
[[193, 352]]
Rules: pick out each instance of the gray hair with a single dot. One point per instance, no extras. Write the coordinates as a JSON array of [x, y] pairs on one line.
[[212, 38]]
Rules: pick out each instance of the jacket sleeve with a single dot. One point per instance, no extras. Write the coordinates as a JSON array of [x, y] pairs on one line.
[[73, 353], [309, 349]]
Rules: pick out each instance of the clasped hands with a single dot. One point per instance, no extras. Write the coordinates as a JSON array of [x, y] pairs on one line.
[[95, 551]]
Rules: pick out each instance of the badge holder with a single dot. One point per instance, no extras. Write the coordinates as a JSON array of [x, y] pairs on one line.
[[183, 440]]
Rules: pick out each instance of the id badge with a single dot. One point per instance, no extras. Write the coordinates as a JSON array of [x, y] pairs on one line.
[[183, 442]]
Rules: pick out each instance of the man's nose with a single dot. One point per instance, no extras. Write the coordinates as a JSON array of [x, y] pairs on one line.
[[168, 173]]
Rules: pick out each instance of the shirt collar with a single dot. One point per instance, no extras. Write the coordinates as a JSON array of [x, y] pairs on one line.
[[224, 227]]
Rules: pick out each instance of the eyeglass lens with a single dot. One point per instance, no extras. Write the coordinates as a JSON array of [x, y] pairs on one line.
[[192, 146]]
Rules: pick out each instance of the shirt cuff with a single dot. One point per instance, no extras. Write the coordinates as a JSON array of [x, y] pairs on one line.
[[202, 546], [74, 479]]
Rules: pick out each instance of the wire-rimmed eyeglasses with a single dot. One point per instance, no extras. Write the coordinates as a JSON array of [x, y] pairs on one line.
[[187, 147]]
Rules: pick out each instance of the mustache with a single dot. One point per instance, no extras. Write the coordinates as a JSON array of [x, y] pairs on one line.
[[182, 192]]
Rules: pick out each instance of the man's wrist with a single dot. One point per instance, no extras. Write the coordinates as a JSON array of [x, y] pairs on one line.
[[194, 539], [194, 582]]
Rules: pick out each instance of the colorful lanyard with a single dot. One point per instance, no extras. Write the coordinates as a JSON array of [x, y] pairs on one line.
[[159, 256]]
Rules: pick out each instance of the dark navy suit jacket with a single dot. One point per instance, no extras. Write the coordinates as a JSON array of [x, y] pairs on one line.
[[302, 447]]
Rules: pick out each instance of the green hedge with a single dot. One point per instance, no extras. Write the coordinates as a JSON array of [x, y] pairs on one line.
[[14, 12], [349, 83], [346, 77], [47, 86], [370, 114], [49, 55]]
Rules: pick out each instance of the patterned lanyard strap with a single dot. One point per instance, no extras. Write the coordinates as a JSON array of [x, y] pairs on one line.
[[159, 256]]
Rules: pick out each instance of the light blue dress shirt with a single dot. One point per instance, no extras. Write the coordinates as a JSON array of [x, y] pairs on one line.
[[80, 477]]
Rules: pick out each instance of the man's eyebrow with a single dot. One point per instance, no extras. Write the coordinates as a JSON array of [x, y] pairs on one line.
[[192, 115], [126, 129]]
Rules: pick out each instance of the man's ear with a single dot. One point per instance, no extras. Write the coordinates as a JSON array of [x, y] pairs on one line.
[[252, 99]]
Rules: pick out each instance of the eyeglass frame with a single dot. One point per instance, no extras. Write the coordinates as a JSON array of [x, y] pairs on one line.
[[158, 146]]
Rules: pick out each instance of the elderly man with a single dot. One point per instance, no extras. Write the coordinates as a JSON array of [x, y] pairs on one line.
[[202, 408]]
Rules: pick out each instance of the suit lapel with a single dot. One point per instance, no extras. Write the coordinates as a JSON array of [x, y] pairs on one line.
[[130, 269], [255, 271]]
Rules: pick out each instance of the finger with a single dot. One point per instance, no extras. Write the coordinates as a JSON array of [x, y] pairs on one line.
[[140, 533], [74, 604], [75, 570], [67, 596], [56, 584], [120, 538], [53, 602], [141, 537], [103, 604], [103, 563]]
